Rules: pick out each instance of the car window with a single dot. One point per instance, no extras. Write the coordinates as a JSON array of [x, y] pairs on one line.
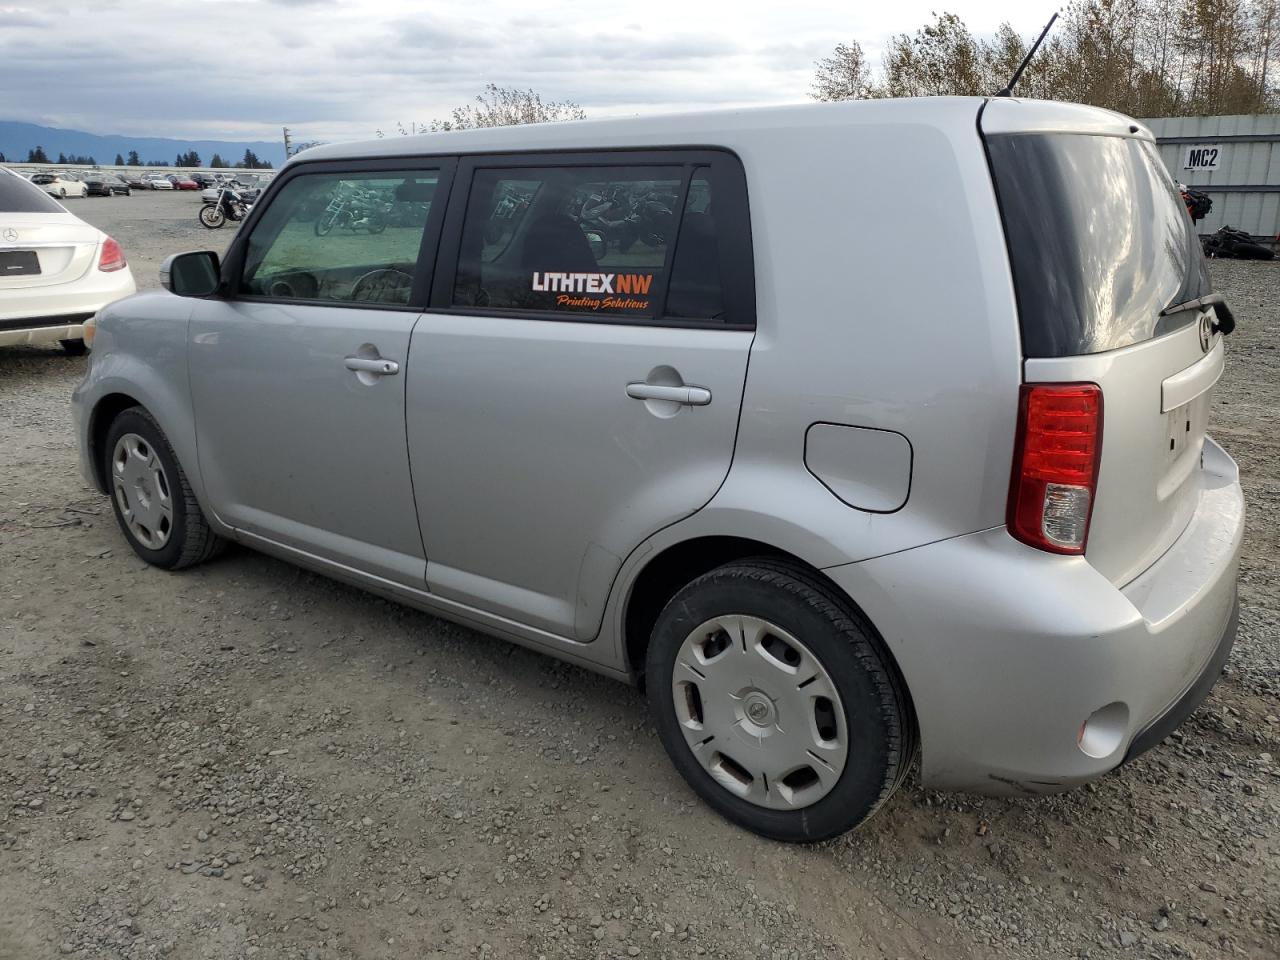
[[568, 239], [351, 237], [592, 241], [696, 288], [19, 196]]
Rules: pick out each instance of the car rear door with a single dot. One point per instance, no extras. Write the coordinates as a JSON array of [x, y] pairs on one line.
[[576, 385], [298, 375], [1101, 249]]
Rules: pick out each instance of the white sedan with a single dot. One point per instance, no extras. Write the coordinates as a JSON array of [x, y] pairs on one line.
[[60, 185], [56, 271], [159, 183]]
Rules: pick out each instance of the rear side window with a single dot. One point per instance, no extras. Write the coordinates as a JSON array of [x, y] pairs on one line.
[[605, 242], [349, 237], [19, 196], [1099, 241]]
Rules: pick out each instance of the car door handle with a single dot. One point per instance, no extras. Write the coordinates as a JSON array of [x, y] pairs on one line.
[[689, 396], [377, 366]]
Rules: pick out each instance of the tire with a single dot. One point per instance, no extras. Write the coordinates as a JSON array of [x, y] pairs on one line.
[[792, 622], [188, 538], [62, 193], [128, 191], [212, 216], [325, 223], [73, 348]]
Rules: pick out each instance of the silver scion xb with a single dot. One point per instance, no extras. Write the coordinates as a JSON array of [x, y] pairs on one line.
[[670, 398]]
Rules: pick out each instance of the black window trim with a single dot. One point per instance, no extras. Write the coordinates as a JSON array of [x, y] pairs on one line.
[[737, 266], [233, 264]]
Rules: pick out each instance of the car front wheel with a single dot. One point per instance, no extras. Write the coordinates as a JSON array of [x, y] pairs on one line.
[[777, 702], [152, 497]]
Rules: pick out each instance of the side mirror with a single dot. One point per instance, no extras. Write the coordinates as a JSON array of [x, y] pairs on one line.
[[191, 274]]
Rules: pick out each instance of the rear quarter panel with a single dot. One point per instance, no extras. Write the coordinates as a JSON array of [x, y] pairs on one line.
[[884, 300]]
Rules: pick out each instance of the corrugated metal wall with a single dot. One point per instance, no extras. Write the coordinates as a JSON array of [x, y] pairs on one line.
[[1244, 179]]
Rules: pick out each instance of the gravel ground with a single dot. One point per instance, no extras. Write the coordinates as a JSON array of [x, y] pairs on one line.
[[246, 759]]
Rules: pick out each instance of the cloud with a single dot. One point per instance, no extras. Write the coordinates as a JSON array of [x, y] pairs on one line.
[[333, 69]]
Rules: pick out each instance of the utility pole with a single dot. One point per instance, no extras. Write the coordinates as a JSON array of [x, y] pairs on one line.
[[288, 144]]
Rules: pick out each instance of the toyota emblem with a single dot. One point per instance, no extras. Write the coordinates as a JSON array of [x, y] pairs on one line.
[[11, 235], [1206, 332]]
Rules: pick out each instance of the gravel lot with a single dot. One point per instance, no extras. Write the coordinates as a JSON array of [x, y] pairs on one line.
[[246, 759]]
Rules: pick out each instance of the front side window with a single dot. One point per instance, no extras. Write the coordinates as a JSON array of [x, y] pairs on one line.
[[349, 237]]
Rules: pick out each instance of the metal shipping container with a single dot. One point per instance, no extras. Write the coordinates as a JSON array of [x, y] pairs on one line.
[[1235, 160]]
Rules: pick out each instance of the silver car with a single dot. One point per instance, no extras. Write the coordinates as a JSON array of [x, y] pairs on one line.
[[679, 399]]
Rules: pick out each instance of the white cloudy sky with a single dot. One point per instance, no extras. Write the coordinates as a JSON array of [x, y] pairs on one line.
[[340, 69]]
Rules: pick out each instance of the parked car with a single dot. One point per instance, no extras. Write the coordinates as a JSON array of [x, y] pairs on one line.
[[184, 183], [205, 180], [827, 499], [60, 185], [56, 271], [137, 181], [105, 185], [159, 182]]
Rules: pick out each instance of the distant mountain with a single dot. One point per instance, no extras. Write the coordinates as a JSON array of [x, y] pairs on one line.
[[17, 138]]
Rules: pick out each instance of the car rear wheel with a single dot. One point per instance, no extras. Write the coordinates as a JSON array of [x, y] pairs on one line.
[[73, 348], [151, 496], [777, 702]]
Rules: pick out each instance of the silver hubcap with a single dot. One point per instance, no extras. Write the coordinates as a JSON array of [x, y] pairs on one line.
[[760, 712], [142, 491]]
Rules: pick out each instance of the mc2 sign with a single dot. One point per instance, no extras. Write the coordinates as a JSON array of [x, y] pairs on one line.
[[1202, 156]]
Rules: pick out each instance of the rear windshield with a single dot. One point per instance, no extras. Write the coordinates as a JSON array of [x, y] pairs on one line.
[[1098, 238], [19, 196]]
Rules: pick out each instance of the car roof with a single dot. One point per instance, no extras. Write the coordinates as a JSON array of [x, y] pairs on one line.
[[729, 128]]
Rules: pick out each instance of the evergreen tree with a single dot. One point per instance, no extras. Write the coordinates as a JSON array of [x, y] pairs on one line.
[[37, 155], [217, 163], [62, 158], [2, 159], [134, 160], [119, 160]]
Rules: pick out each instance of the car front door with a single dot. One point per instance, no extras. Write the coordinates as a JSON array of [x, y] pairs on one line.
[[577, 382], [298, 374]]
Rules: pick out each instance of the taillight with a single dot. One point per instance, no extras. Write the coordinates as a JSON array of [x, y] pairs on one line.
[[1055, 465], [112, 257]]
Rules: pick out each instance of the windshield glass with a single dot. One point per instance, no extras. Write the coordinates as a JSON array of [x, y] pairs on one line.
[[18, 196], [1099, 241]]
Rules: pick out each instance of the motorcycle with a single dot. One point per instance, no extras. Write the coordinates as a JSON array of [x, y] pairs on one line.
[[355, 211], [1228, 243], [229, 205]]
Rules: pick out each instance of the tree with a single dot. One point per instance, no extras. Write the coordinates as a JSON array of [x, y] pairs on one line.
[[940, 59], [216, 162], [62, 158], [501, 107], [845, 75], [133, 160], [119, 160], [2, 159], [37, 156], [1146, 58]]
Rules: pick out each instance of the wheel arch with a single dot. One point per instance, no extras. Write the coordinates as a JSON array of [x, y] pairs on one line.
[[101, 417], [679, 563]]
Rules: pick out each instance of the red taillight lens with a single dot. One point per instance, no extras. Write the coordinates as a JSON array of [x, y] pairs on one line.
[[1055, 465], [112, 257]]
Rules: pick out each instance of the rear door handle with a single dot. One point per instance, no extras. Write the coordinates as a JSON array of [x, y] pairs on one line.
[[377, 366], [689, 396]]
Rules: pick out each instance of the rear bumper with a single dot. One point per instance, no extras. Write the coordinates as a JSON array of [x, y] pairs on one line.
[[43, 329], [1032, 673], [1163, 725], [57, 312]]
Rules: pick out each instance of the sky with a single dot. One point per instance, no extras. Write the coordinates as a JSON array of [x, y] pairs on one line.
[[344, 69]]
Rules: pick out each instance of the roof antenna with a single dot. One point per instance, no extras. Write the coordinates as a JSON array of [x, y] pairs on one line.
[[1008, 90]]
